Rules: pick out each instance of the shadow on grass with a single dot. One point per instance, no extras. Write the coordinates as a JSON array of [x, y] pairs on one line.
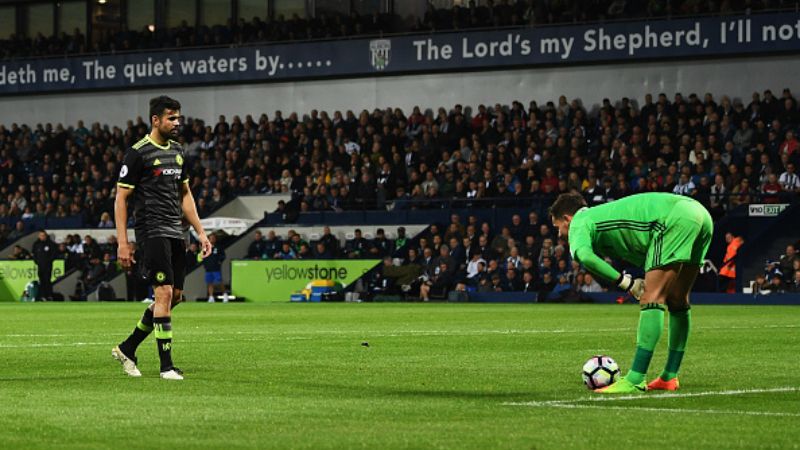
[[368, 391], [83, 377]]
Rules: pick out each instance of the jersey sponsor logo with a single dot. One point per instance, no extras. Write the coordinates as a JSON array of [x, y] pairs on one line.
[[123, 171], [168, 172]]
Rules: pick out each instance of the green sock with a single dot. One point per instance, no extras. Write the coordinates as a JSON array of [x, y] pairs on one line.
[[651, 322], [680, 322]]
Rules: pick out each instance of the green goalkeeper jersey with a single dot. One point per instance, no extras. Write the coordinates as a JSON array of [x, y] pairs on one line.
[[646, 230]]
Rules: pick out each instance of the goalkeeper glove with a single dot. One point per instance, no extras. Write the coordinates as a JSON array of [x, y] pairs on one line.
[[634, 286]]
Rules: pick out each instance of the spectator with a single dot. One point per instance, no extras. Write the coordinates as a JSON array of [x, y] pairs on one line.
[[18, 231], [91, 248], [401, 239], [789, 180], [19, 253], [297, 242], [321, 251], [771, 189], [496, 283], [92, 275], [381, 246], [790, 145], [475, 267], [272, 245], [444, 256], [528, 282], [514, 260], [546, 285], [562, 288], [512, 282], [741, 194], [787, 261], [457, 254], [305, 251], [193, 256], [105, 221], [285, 252], [685, 186], [213, 266], [718, 200], [357, 247], [794, 286], [428, 261], [775, 285], [330, 241], [258, 248], [590, 284], [760, 286], [439, 283]]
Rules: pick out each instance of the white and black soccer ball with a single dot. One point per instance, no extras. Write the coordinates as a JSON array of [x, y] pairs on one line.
[[600, 371]]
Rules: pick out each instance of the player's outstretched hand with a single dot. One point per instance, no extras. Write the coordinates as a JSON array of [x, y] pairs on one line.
[[125, 255], [637, 289], [206, 245]]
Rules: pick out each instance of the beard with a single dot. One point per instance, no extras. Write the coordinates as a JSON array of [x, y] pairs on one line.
[[170, 134]]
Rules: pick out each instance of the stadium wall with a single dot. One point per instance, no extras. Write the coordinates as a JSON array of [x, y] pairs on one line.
[[590, 83]]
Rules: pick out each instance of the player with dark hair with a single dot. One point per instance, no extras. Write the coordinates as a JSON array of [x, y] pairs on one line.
[[665, 234], [153, 169]]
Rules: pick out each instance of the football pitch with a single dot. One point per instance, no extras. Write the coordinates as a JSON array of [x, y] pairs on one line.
[[391, 376]]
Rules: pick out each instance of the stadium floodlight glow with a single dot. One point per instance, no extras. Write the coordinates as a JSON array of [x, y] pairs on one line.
[[151, 27], [102, 2]]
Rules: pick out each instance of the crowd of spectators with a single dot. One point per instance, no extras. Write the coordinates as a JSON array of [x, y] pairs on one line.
[[781, 274], [524, 256], [96, 261], [331, 25], [722, 152]]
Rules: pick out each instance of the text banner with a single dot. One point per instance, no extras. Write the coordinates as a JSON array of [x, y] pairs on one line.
[[766, 210], [15, 275], [270, 281], [627, 41]]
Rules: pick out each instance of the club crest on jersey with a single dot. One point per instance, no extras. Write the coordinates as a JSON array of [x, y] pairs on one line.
[[179, 159]]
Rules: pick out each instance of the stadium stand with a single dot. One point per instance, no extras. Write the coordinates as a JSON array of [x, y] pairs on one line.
[[723, 153], [336, 25]]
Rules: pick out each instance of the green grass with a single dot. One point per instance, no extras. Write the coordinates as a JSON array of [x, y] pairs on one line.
[[433, 376]]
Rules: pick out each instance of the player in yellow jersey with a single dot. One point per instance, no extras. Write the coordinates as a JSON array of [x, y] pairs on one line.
[[668, 236]]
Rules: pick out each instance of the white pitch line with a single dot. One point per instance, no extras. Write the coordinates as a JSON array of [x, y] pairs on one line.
[[581, 403], [81, 344], [659, 396], [674, 410], [398, 333], [688, 394], [56, 344]]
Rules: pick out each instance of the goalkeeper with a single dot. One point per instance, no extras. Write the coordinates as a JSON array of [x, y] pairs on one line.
[[668, 236]]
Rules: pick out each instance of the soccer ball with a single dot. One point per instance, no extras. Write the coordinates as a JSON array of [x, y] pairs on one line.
[[600, 371]]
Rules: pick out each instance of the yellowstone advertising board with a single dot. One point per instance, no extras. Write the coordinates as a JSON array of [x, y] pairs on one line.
[[257, 280]]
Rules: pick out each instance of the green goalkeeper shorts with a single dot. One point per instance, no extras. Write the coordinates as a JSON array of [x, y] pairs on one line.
[[684, 237]]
